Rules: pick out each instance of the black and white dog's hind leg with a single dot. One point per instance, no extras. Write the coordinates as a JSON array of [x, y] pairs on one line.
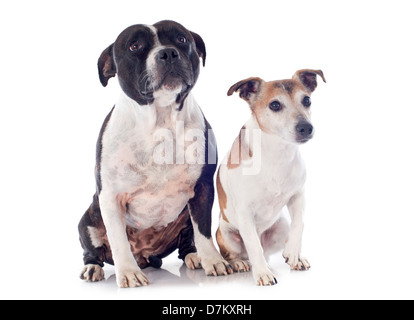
[[92, 237]]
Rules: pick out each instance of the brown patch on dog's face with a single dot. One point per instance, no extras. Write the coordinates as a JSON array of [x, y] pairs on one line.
[[281, 107]]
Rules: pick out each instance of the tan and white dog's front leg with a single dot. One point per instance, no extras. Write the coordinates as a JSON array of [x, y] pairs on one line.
[[128, 274], [261, 272], [293, 246], [200, 211]]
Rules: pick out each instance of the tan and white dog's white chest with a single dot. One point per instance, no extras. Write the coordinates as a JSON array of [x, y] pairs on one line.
[[152, 157], [281, 182], [280, 175]]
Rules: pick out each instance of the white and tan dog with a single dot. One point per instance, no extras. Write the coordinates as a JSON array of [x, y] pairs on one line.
[[263, 173]]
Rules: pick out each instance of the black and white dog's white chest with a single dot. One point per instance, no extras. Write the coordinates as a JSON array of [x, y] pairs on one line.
[[152, 158]]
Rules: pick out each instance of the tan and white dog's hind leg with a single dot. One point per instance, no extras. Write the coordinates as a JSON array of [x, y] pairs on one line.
[[274, 239], [242, 248], [232, 247]]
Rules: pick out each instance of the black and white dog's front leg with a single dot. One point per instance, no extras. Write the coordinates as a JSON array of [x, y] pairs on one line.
[[128, 273], [200, 211]]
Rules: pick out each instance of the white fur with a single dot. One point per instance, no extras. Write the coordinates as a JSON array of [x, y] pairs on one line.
[[156, 193], [155, 33], [255, 203], [96, 236], [133, 142]]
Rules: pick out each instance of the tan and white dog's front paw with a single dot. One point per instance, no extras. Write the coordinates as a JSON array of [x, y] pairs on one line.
[[296, 262], [131, 278], [92, 273], [216, 267], [240, 265], [265, 278]]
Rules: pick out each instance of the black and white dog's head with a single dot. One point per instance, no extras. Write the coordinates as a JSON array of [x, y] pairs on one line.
[[160, 61]]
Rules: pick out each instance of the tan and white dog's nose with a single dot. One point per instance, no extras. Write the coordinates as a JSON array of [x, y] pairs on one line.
[[304, 131]]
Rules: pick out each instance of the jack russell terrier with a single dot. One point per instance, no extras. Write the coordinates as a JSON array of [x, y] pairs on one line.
[[263, 173], [155, 160]]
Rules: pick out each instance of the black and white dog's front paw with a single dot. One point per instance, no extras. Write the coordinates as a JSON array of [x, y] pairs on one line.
[[130, 278], [92, 273], [216, 266]]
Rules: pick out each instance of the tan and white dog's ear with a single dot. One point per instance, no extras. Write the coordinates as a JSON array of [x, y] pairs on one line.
[[106, 65], [247, 88], [308, 78]]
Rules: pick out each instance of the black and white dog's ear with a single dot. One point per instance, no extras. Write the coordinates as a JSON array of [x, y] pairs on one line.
[[248, 88], [201, 47], [106, 65]]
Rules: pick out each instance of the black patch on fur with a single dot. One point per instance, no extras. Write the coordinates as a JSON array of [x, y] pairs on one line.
[[99, 153], [308, 79], [202, 203], [287, 85], [93, 218]]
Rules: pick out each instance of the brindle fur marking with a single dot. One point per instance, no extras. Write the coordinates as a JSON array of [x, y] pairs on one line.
[[148, 246]]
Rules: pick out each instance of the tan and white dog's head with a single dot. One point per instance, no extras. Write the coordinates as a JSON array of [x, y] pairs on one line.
[[282, 107]]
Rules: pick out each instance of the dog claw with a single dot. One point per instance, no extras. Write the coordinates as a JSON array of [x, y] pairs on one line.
[[192, 261], [92, 273], [240, 265], [298, 264], [132, 279], [219, 268], [266, 279]]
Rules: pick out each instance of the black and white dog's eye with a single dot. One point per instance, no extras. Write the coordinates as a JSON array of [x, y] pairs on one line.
[[275, 106], [135, 46], [306, 102], [181, 39]]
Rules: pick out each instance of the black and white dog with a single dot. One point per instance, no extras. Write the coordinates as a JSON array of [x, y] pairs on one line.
[[155, 160]]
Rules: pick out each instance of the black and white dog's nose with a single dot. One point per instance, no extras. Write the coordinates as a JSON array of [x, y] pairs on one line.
[[304, 129], [169, 55]]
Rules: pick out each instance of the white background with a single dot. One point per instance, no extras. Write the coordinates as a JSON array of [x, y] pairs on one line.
[[359, 220]]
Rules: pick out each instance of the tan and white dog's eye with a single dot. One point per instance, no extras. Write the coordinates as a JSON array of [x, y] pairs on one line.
[[306, 102], [275, 106], [135, 46]]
